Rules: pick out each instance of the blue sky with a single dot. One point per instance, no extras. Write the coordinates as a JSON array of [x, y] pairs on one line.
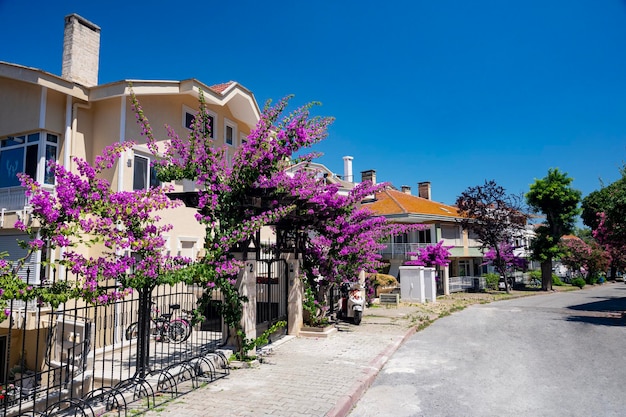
[[448, 91]]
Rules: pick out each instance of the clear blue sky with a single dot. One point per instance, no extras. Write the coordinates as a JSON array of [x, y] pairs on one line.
[[447, 91]]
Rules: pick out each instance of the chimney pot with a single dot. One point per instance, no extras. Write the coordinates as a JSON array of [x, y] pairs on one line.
[[406, 189], [369, 175], [424, 189]]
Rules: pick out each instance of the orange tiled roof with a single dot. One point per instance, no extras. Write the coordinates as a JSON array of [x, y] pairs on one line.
[[219, 88], [390, 202]]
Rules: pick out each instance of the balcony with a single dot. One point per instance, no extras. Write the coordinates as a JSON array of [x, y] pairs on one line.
[[400, 250], [13, 198]]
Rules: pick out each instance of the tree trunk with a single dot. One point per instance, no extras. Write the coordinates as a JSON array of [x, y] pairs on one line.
[[613, 272], [546, 275]]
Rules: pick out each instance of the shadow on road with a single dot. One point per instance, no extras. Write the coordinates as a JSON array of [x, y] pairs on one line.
[[607, 311]]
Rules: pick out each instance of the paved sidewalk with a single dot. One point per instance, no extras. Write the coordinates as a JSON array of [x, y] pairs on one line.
[[304, 376]]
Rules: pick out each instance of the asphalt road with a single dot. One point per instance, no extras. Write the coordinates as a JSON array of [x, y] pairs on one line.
[[557, 354]]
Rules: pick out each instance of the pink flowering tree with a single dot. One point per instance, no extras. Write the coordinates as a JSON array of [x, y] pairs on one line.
[[588, 259], [505, 260], [85, 211], [345, 238], [235, 201], [604, 211], [431, 256]]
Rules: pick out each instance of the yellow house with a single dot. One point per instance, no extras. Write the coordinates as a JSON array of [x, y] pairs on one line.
[[44, 116]]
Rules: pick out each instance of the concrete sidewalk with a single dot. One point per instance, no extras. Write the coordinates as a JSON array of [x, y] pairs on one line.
[[304, 376]]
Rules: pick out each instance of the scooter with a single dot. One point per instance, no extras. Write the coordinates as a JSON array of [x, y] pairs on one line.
[[351, 303]]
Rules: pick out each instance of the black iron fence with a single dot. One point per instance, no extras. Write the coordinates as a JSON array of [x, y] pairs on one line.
[[87, 360]]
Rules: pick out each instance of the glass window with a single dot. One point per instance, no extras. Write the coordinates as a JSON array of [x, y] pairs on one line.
[[21, 154], [51, 155], [13, 141], [11, 163], [228, 135], [424, 236], [32, 152], [190, 118], [140, 173], [144, 174]]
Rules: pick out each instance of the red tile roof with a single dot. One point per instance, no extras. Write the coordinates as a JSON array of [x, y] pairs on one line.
[[219, 88], [391, 201]]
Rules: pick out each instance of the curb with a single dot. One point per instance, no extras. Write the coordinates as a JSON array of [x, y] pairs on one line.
[[346, 402]]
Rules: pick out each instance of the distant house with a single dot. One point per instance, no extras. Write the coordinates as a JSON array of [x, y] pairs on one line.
[[400, 206]]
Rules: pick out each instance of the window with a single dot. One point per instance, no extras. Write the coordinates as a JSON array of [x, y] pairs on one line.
[[401, 238], [187, 247], [423, 236], [144, 174], [30, 154], [189, 118], [230, 132], [243, 139]]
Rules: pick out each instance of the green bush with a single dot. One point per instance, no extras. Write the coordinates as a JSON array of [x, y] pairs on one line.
[[578, 282], [491, 281], [592, 279], [557, 281]]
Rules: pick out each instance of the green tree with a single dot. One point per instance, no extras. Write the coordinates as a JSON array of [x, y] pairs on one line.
[[554, 197]]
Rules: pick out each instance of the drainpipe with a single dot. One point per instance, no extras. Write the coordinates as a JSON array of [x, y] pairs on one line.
[[71, 123], [120, 165]]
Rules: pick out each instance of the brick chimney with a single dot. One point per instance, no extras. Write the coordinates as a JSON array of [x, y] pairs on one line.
[[81, 51], [406, 189], [424, 189], [369, 175]]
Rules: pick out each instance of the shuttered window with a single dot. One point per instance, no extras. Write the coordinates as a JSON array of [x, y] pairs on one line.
[[9, 244]]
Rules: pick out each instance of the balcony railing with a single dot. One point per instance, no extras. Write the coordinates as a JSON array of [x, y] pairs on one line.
[[13, 198], [400, 250]]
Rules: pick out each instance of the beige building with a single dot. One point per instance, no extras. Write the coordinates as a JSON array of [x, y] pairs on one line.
[[442, 224], [44, 116]]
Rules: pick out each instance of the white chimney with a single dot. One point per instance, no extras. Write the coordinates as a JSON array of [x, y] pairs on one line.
[[81, 51], [347, 169], [406, 189]]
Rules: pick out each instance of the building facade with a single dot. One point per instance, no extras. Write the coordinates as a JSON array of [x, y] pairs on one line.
[[46, 117]]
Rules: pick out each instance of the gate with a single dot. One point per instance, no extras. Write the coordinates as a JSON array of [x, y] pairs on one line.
[[271, 292]]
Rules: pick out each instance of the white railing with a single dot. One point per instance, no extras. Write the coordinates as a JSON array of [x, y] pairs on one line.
[[400, 250], [13, 198], [465, 283]]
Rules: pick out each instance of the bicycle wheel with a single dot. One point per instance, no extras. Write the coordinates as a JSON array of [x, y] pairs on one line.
[[187, 327], [176, 332], [132, 331]]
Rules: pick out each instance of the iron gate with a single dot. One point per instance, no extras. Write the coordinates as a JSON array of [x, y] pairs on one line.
[[271, 292]]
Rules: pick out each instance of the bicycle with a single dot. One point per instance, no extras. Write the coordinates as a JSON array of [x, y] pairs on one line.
[[162, 327]]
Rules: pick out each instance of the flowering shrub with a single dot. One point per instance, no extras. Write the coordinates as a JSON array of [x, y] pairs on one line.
[[85, 211], [315, 310], [8, 392], [431, 255]]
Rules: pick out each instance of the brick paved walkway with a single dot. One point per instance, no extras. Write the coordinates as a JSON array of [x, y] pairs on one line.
[[303, 376]]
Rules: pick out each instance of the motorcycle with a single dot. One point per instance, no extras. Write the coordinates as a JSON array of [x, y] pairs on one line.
[[351, 303]]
